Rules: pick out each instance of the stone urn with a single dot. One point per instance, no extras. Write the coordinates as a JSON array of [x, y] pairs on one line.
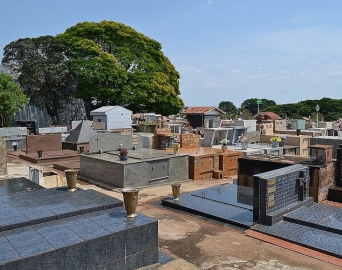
[[175, 191], [130, 196], [298, 132], [40, 153], [71, 177]]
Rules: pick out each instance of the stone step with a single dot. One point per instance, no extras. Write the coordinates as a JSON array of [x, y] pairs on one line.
[[320, 216], [323, 241]]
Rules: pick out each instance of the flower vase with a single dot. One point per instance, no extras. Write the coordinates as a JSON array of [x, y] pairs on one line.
[[244, 145], [224, 148], [275, 144], [175, 147], [123, 157], [130, 199], [281, 144]]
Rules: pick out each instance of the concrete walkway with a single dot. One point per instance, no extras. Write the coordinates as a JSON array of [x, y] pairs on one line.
[[199, 243]]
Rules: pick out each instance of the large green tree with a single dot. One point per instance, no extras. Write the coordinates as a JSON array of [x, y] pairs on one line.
[[116, 64], [39, 65], [252, 106], [228, 107], [11, 98]]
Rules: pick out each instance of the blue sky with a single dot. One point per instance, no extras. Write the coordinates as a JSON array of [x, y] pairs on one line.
[[286, 51]]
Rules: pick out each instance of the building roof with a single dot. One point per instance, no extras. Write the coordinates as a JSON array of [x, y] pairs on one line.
[[201, 110], [105, 109], [271, 115]]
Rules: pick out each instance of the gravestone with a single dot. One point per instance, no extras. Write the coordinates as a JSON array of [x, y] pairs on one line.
[[48, 142], [3, 161], [278, 192], [51, 130], [112, 141]]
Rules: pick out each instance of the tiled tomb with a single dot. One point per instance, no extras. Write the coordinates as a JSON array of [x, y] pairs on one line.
[[57, 229]]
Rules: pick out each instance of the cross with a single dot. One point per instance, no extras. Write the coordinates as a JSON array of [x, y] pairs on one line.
[[97, 141]]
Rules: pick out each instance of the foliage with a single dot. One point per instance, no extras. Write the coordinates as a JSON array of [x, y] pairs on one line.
[[252, 106], [224, 142], [11, 98], [330, 109], [39, 65], [123, 152], [116, 64], [228, 107]]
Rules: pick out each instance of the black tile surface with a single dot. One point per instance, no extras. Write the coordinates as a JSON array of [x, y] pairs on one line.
[[85, 229], [230, 213], [15, 185]]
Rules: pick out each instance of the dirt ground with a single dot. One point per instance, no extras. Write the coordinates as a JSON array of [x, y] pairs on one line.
[[195, 242]]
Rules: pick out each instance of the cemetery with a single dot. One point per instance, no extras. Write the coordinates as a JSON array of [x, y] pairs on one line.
[[277, 190]]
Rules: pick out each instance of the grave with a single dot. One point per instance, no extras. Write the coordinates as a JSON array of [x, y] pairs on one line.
[[51, 147], [113, 141], [213, 136], [46, 177], [328, 140], [321, 175], [335, 191], [144, 167], [57, 229], [278, 205], [78, 138], [14, 134]]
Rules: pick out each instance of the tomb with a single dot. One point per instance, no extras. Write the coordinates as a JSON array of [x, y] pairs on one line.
[[144, 167], [114, 117], [278, 205], [56, 229], [46, 177], [328, 140], [78, 138], [114, 141], [46, 149], [14, 135], [213, 136], [321, 175], [207, 162]]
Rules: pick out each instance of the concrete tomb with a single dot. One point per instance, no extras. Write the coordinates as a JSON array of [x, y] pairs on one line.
[[144, 167], [85, 229], [14, 135]]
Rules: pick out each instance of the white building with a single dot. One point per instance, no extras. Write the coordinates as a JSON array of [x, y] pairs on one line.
[[115, 117]]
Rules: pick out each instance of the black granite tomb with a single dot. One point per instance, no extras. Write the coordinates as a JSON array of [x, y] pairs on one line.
[[57, 229]]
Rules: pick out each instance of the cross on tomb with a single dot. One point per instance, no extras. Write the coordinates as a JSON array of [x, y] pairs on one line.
[[97, 141]]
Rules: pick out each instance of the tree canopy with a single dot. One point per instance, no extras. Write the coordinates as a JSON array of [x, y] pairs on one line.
[[228, 107], [114, 63], [252, 106], [11, 98], [39, 64]]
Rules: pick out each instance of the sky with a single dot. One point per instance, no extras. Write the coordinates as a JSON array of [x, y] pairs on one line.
[[224, 50]]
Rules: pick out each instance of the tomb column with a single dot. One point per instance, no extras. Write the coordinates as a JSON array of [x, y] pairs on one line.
[[3, 161]]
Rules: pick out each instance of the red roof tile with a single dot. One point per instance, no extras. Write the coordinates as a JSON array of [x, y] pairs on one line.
[[271, 115]]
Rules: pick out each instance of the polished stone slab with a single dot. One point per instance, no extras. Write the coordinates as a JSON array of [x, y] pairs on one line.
[[15, 185], [223, 206], [85, 229], [318, 227], [33, 207]]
